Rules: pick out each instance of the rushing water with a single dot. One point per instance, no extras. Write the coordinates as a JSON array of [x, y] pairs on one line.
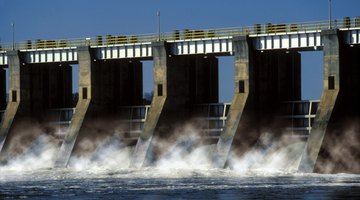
[[266, 173], [152, 183]]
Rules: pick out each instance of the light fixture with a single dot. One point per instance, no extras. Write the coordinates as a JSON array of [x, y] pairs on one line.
[[158, 16], [330, 14], [13, 35]]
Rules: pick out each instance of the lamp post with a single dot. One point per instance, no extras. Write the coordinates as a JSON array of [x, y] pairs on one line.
[[13, 35], [158, 16], [330, 14]]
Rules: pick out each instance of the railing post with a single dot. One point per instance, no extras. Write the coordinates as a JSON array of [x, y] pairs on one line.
[[257, 29], [357, 21], [346, 22]]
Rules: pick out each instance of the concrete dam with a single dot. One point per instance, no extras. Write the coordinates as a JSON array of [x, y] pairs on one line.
[[266, 105]]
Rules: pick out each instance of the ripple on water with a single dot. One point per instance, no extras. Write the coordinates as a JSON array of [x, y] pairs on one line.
[[189, 184]]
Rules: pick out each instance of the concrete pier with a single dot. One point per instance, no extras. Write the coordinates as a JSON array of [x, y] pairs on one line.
[[263, 79], [13, 104], [3, 89], [180, 83], [244, 86], [333, 143], [103, 87], [33, 91]]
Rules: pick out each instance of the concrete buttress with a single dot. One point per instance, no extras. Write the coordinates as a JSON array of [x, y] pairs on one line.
[[333, 142], [180, 83], [328, 99], [263, 80], [3, 88], [160, 54], [104, 86], [244, 86], [85, 91], [14, 98], [34, 89]]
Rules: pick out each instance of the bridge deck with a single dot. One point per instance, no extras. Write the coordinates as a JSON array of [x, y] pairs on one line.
[[303, 36]]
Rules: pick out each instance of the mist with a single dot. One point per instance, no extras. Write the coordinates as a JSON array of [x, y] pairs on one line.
[[269, 155], [185, 150], [340, 151]]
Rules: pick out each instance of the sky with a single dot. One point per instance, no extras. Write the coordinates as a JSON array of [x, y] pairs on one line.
[[63, 19]]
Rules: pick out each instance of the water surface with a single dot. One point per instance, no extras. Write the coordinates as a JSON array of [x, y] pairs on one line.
[[150, 183]]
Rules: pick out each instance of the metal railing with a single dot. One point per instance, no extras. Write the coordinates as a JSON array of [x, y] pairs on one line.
[[212, 118], [186, 34], [300, 115], [61, 116], [134, 117]]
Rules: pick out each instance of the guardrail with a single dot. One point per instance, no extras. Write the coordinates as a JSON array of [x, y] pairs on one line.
[[186, 34], [300, 115], [134, 117], [62, 116], [212, 117]]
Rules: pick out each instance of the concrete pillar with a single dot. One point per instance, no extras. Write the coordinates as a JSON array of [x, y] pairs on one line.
[[32, 93], [262, 81], [180, 83], [333, 142], [330, 39], [244, 87], [15, 61], [2, 89], [161, 61], [86, 64], [104, 85]]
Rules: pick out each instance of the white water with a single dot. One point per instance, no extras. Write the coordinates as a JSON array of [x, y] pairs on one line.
[[182, 173], [111, 154], [39, 155]]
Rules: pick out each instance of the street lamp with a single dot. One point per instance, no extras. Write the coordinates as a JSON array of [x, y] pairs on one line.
[[13, 35], [329, 14], [158, 16]]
